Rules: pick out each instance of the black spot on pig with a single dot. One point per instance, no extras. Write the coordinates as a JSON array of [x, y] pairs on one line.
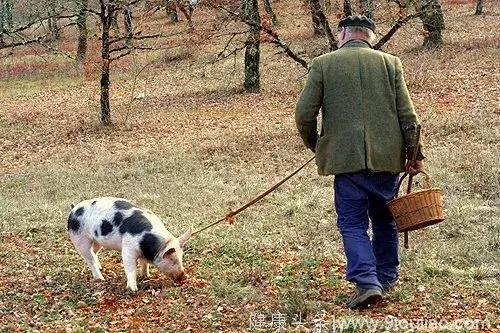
[[73, 223], [79, 211], [96, 233], [118, 218], [123, 205], [151, 245], [135, 224], [93, 202], [106, 228]]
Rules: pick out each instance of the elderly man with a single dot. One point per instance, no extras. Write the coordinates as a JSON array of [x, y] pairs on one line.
[[368, 131]]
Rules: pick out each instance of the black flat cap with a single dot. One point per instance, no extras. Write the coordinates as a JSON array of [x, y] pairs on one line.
[[357, 21]]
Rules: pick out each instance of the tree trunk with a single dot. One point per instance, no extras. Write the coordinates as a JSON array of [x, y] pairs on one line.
[[367, 8], [114, 23], [479, 7], [433, 23], [327, 6], [53, 28], [347, 8], [320, 16], [316, 12], [2, 22], [252, 50], [107, 12], [171, 10], [10, 10], [81, 22], [7, 8], [270, 11], [127, 22], [186, 11]]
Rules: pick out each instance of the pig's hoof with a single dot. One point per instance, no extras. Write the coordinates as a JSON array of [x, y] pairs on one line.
[[132, 288]]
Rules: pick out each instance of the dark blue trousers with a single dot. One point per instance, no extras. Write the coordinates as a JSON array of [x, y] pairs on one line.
[[359, 196]]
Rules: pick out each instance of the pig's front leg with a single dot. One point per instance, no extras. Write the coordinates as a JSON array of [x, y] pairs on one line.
[[130, 265], [84, 246]]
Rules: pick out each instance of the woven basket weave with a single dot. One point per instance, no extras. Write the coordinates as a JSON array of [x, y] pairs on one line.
[[418, 209]]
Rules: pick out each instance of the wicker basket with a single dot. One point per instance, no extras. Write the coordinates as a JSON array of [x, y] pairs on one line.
[[418, 209]]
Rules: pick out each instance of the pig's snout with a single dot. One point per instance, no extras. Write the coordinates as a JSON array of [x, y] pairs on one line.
[[180, 277]]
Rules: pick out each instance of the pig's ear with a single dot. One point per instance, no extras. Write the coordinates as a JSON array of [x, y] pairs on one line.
[[168, 252], [185, 237]]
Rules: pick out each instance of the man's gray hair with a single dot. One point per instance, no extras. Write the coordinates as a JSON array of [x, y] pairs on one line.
[[367, 33]]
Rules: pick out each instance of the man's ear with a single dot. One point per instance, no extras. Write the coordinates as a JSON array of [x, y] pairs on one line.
[[185, 237]]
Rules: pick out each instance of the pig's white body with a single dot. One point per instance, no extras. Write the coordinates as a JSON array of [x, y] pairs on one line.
[[139, 234], [103, 209]]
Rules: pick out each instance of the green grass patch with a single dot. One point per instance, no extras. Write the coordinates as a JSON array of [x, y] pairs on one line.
[[28, 86]]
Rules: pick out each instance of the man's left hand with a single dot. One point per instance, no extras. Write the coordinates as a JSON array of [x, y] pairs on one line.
[[415, 168]]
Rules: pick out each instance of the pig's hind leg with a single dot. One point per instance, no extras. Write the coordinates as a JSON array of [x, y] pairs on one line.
[[84, 246], [96, 248]]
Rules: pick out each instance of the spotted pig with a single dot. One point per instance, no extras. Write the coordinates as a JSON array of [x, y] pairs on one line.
[[139, 234]]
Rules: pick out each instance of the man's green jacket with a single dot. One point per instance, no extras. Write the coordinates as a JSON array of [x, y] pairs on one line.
[[367, 113]]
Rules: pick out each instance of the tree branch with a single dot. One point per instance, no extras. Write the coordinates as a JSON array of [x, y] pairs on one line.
[[17, 33], [22, 43], [129, 49], [318, 12], [158, 35], [38, 21], [276, 39], [403, 19], [221, 54]]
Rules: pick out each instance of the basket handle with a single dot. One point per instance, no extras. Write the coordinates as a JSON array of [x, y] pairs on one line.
[[410, 182]]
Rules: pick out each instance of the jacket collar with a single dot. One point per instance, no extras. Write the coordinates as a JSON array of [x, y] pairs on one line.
[[356, 43]]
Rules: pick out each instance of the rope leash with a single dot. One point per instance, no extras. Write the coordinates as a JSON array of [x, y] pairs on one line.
[[230, 216]]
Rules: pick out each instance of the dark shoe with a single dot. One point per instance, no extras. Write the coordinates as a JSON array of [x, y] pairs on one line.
[[388, 287], [362, 298]]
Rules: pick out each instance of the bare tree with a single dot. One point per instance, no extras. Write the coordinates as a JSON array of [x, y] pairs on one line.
[[274, 37], [187, 8], [114, 23], [2, 21], [52, 20], [269, 10], [327, 6], [252, 49], [171, 11], [367, 8], [404, 18], [81, 22], [127, 23], [316, 12], [479, 7], [347, 8], [108, 10], [433, 23], [6, 22], [113, 47], [9, 9], [321, 24]]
